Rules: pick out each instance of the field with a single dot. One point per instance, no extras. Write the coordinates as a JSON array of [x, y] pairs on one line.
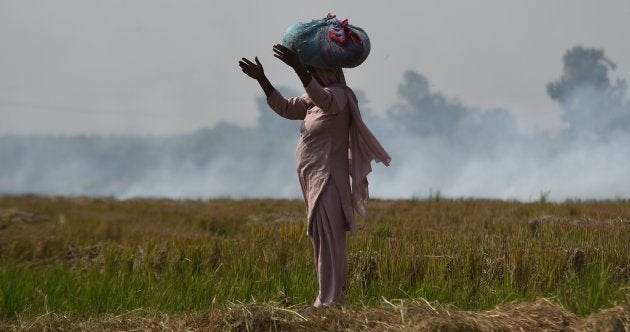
[[86, 263]]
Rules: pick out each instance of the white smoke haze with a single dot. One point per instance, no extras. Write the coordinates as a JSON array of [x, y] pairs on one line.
[[437, 145]]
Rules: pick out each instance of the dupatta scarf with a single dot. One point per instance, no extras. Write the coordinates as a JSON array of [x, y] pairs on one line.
[[363, 146]]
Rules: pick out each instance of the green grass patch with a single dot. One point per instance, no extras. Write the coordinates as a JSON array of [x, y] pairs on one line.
[[91, 257]]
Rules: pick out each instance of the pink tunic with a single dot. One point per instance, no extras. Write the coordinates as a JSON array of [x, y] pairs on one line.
[[322, 151]]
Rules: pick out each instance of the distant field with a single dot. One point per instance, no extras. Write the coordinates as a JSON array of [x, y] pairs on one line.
[[229, 264]]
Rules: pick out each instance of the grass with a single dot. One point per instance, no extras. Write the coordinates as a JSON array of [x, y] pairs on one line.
[[85, 258]]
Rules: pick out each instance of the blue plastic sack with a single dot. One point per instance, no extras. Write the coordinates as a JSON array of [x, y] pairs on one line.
[[328, 43]]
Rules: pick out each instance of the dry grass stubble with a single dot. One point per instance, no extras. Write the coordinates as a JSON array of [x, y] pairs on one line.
[[394, 315]]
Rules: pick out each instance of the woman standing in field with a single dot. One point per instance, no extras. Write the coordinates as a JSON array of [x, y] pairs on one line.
[[334, 145]]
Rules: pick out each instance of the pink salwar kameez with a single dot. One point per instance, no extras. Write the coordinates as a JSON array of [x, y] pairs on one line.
[[334, 145]]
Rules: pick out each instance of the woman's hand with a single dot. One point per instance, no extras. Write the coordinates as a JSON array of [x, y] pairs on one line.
[[256, 71], [287, 56], [291, 58], [253, 70]]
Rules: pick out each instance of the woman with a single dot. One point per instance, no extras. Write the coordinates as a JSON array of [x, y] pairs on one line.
[[334, 144]]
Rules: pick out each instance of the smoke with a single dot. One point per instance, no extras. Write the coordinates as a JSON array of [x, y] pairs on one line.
[[437, 144], [593, 104], [464, 152]]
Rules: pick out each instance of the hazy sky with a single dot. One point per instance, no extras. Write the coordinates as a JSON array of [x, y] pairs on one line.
[[153, 66]]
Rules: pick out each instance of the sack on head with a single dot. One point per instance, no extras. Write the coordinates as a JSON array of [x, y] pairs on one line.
[[328, 43]]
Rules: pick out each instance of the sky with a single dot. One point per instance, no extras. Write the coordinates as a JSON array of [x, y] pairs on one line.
[[170, 67], [139, 98]]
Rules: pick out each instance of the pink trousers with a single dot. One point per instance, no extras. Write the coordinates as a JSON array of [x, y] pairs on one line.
[[329, 246]]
